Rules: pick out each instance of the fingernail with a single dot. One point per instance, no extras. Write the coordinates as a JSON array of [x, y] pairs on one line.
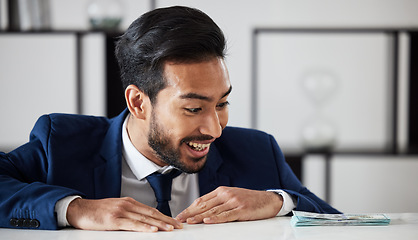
[[169, 227], [180, 225], [154, 228], [180, 220]]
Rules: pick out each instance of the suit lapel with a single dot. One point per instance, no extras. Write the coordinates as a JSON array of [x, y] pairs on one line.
[[107, 175], [211, 176]]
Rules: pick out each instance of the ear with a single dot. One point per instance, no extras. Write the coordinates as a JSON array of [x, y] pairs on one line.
[[137, 101]]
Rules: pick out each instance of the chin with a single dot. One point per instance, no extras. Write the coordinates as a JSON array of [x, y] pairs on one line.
[[193, 165]]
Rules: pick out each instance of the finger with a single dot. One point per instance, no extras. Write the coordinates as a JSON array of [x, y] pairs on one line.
[[153, 213], [132, 225], [223, 217], [144, 213], [160, 224], [200, 205], [210, 213]]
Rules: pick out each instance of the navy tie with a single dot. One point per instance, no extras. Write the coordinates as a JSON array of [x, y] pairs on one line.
[[161, 184]]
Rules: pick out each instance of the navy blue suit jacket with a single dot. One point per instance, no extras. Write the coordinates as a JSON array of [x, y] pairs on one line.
[[81, 155]]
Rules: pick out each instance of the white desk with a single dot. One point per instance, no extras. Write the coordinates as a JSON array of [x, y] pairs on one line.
[[402, 226]]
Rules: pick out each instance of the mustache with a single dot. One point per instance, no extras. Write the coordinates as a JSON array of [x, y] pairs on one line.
[[197, 138]]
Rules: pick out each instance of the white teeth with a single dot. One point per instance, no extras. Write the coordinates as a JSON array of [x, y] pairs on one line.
[[198, 146]]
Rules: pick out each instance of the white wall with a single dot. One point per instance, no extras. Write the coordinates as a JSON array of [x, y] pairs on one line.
[[339, 82], [365, 183], [38, 75], [374, 183], [41, 82]]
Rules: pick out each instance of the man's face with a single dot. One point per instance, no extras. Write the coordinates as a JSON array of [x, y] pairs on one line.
[[189, 114]]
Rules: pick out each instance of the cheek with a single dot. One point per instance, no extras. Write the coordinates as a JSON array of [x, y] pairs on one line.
[[223, 118], [177, 126]]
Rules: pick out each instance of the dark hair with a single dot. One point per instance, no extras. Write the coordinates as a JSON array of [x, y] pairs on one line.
[[178, 34]]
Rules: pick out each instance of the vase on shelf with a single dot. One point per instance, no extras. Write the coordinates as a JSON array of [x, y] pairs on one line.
[[104, 14]]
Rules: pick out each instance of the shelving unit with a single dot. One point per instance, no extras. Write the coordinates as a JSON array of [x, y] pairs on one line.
[[296, 156], [60, 71]]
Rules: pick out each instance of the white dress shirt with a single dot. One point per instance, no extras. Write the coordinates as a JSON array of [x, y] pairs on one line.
[[136, 167]]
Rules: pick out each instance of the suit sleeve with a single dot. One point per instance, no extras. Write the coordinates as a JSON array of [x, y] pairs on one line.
[[306, 200], [26, 198]]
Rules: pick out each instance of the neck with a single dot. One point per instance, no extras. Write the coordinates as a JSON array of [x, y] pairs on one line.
[[138, 135]]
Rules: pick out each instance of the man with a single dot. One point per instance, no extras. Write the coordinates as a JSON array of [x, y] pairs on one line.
[[96, 173]]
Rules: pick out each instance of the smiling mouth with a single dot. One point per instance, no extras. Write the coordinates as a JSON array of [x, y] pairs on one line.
[[198, 146]]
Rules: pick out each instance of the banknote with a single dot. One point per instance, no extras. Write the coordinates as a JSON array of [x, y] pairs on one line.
[[300, 218]]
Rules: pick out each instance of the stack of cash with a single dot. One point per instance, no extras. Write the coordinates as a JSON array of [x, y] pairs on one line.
[[300, 218]]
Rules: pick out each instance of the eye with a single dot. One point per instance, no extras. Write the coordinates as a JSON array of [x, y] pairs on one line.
[[193, 110], [222, 105]]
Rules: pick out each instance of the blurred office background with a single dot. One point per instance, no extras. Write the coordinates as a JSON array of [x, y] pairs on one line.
[[334, 81]]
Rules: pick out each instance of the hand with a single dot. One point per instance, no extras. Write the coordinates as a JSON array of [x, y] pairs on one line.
[[227, 204], [118, 214]]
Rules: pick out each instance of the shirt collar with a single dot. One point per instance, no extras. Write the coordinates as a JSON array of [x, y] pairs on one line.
[[139, 164]]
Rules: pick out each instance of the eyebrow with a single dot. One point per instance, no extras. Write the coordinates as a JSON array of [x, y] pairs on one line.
[[202, 97]]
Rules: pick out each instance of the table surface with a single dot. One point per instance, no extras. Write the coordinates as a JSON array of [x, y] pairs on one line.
[[402, 226]]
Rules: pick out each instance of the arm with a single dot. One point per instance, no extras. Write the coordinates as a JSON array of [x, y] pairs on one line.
[[118, 214], [228, 204], [220, 205], [31, 178], [24, 194], [306, 200]]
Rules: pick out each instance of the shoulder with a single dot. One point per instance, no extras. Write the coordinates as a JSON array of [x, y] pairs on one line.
[[69, 124], [63, 120], [80, 121]]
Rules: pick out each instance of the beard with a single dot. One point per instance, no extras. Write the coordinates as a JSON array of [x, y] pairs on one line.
[[159, 141]]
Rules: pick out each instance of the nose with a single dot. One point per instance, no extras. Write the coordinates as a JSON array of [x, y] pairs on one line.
[[211, 125]]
